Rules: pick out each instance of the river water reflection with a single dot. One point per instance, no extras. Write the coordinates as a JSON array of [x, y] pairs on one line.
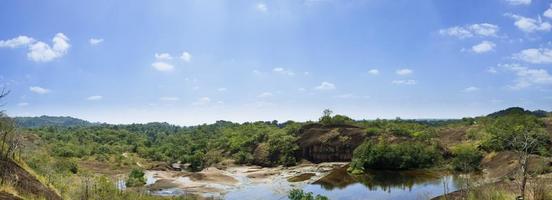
[[339, 185]]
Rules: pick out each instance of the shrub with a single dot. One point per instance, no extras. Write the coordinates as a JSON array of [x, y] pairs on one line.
[[66, 165], [405, 155], [261, 155], [297, 194], [136, 178], [243, 157], [466, 158]]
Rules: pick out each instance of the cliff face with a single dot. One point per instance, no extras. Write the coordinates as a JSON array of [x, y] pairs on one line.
[[24, 182], [333, 143]]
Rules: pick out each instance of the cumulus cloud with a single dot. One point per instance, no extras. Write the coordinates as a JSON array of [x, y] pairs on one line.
[[471, 89], [325, 86], [265, 94], [169, 98], [404, 82], [39, 51], [261, 7], [94, 98], [467, 31], [526, 77], [373, 72], [548, 12], [95, 41], [518, 2], [530, 25], [42, 52], [162, 66], [404, 72], [283, 71], [17, 42], [483, 47], [39, 90], [186, 56], [163, 56], [536, 56]]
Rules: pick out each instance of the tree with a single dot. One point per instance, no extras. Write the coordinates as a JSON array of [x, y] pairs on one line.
[[524, 144], [9, 142], [522, 133], [326, 117]]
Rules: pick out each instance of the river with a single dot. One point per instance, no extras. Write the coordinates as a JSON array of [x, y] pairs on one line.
[[328, 179]]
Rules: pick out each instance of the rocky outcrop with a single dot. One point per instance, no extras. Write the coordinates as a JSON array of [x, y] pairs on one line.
[[24, 182], [329, 143]]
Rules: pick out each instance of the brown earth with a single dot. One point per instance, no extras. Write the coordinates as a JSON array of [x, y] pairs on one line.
[[8, 196], [24, 182], [505, 164], [450, 136], [333, 143]]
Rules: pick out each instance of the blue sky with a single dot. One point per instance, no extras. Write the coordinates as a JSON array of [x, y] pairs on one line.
[[191, 62]]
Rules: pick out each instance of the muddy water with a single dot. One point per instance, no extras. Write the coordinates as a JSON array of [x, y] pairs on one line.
[[329, 179]]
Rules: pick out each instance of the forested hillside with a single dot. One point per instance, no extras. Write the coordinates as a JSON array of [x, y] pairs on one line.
[[61, 152], [35, 122]]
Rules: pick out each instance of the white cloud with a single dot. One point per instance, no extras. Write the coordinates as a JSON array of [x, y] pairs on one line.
[[163, 56], [222, 89], [39, 51], [23, 104], [39, 90], [483, 47], [261, 7], [283, 71], [492, 70], [519, 2], [94, 98], [95, 41], [373, 72], [471, 89], [265, 94], [325, 86], [17, 42], [530, 25], [467, 31], [548, 12], [526, 77], [404, 72], [536, 56], [484, 29], [202, 101], [169, 98], [162, 66], [404, 82], [186, 56], [42, 52]]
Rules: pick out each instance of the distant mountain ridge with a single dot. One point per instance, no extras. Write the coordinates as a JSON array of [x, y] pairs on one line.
[[35, 122], [518, 111], [66, 121]]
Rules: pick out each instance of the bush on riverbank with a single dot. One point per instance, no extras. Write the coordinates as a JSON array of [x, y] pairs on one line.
[[404, 155], [136, 178], [298, 194], [466, 158]]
